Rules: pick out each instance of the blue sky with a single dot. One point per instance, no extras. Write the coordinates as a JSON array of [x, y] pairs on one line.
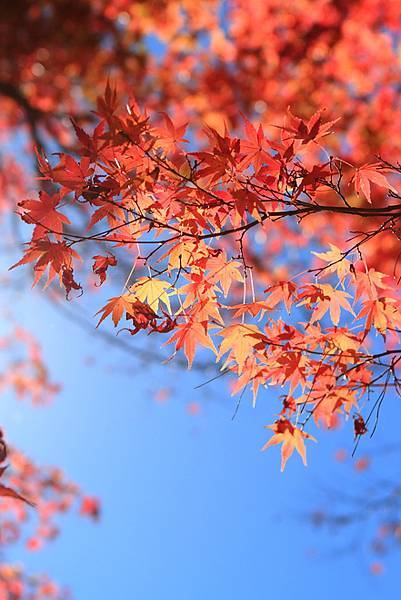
[[191, 508]]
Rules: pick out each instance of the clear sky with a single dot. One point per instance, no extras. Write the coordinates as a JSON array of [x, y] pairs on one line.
[[192, 510]]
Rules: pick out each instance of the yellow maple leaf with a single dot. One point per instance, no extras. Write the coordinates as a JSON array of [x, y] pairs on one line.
[[152, 291], [337, 263]]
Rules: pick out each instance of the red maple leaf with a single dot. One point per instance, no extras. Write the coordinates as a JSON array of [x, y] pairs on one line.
[[101, 264], [365, 176], [43, 214]]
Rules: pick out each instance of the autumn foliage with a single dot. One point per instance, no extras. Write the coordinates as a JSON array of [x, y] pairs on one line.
[[227, 181], [192, 218]]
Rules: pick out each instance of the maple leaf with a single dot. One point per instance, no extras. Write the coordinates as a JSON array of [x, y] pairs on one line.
[[72, 174], [205, 311], [170, 136], [184, 253], [89, 143], [382, 313], [253, 374], [224, 271], [291, 369], [113, 214], [311, 130], [252, 308], [313, 179], [215, 164], [152, 291], [327, 298], [101, 264], [340, 338], [136, 311], [247, 202], [254, 147], [239, 341], [326, 405], [283, 291], [107, 104], [43, 214], [200, 289], [55, 255], [143, 317], [370, 284], [115, 307], [68, 281], [190, 335], [366, 175], [337, 263], [291, 437]]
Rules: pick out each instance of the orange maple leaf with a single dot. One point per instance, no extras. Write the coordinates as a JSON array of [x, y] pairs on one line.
[[239, 341], [116, 307], [223, 271], [327, 299], [190, 335], [291, 437], [382, 313], [283, 291]]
